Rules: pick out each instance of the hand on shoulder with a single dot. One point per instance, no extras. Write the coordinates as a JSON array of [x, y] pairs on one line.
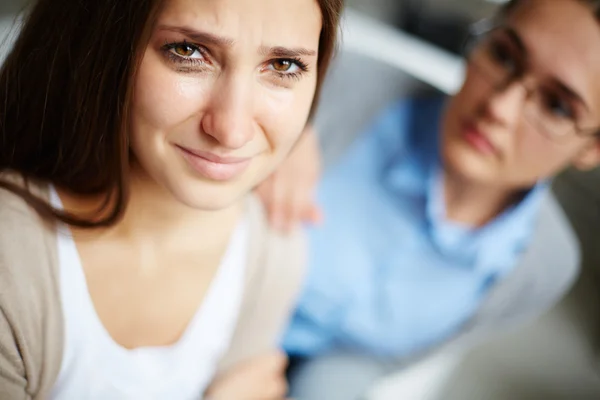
[[288, 194], [260, 378]]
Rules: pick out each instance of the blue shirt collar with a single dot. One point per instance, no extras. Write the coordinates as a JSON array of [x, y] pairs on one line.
[[491, 247]]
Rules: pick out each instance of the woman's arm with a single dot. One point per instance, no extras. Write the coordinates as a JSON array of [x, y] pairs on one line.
[[288, 194], [30, 313], [260, 378], [12, 371]]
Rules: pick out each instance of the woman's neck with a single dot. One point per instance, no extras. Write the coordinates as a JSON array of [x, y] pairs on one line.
[[473, 204], [154, 214]]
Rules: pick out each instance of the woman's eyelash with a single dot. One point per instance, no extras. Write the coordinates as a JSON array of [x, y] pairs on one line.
[[294, 75], [189, 62], [302, 67], [170, 46], [301, 64]]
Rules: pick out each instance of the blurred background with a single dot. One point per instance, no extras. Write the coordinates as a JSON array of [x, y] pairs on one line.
[[442, 22], [416, 44]]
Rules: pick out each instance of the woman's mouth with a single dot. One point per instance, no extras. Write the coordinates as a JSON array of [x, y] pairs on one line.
[[213, 166], [478, 140]]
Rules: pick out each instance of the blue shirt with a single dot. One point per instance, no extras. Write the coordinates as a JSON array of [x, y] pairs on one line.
[[387, 272]]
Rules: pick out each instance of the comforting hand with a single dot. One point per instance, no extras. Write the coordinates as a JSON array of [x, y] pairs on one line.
[[288, 194], [261, 378]]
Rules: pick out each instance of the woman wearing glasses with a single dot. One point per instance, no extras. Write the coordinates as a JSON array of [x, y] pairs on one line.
[[430, 213]]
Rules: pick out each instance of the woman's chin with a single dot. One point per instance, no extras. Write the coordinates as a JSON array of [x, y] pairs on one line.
[[208, 196], [470, 165]]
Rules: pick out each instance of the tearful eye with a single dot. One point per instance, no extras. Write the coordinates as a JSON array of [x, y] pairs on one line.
[[283, 65], [287, 66], [185, 50], [186, 57]]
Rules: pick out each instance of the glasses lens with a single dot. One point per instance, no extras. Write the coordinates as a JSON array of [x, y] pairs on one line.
[[546, 114], [500, 61], [495, 58]]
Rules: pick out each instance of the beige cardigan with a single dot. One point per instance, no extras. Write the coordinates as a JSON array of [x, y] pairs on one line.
[[31, 321]]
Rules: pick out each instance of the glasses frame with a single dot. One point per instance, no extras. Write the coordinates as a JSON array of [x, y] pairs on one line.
[[483, 29]]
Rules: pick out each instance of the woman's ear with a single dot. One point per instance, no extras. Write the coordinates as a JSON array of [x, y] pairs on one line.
[[589, 157]]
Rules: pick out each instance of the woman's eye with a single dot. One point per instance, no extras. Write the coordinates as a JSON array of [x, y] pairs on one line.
[[502, 56], [185, 50], [186, 57], [559, 108], [285, 66], [185, 53]]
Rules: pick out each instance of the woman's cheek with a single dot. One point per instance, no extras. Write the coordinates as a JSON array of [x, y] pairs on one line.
[[277, 116], [289, 107], [166, 99]]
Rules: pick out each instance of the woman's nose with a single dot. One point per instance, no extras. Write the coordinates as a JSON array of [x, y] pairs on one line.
[[504, 106], [228, 117]]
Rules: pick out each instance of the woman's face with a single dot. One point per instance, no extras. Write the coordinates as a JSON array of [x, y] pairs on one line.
[[223, 92], [514, 134]]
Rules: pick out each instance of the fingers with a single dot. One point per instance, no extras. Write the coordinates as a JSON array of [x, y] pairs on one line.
[[287, 203], [298, 208], [293, 210], [288, 194], [312, 213]]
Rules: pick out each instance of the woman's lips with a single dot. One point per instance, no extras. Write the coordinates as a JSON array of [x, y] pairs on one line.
[[212, 166], [478, 140]]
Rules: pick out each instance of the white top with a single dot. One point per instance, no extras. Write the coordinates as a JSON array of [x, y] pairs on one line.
[[95, 367]]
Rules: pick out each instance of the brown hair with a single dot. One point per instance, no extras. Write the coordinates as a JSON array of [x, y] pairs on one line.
[[66, 91]]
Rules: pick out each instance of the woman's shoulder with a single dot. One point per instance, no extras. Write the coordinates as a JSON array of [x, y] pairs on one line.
[[270, 249], [29, 294], [20, 225], [28, 251]]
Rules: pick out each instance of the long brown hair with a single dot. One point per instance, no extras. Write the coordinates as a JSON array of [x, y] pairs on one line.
[[66, 91]]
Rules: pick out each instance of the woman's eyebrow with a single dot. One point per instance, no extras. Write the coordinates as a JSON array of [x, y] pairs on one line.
[[515, 38], [210, 39], [284, 52], [198, 36]]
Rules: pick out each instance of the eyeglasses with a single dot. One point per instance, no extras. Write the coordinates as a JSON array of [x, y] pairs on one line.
[[498, 57]]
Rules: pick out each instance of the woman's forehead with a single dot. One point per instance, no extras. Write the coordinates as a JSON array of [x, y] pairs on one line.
[[287, 23]]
